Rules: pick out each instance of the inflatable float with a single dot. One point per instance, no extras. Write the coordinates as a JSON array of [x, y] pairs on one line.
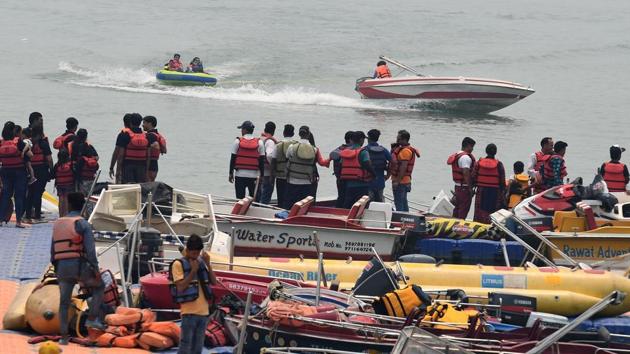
[[185, 79]]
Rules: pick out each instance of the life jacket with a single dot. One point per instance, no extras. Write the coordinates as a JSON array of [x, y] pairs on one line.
[[401, 302], [38, 158], [90, 164], [153, 341], [168, 329], [336, 159], [215, 335], [174, 64], [453, 318], [458, 173], [377, 157], [155, 154], [10, 154], [247, 154], [541, 158], [191, 293], [64, 176], [394, 163], [351, 169], [281, 157], [62, 140], [383, 72], [300, 164], [548, 173], [487, 173], [67, 242], [514, 196], [138, 146], [614, 177], [264, 137], [125, 316]]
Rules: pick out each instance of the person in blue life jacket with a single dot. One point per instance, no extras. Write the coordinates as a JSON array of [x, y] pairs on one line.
[[195, 66], [380, 158], [191, 278]]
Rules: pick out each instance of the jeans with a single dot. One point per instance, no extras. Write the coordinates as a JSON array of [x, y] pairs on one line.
[[242, 183], [295, 193], [352, 194], [400, 196], [376, 195], [193, 334], [13, 185], [266, 190], [69, 272], [33, 205], [281, 191]]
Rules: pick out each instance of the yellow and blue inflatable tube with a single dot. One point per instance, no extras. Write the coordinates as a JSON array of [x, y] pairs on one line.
[[184, 79], [459, 229]]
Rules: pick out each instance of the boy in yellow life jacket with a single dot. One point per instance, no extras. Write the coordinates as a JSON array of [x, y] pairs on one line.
[[518, 187]]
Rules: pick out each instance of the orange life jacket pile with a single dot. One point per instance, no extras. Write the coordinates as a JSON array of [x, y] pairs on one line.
[[283, 312]]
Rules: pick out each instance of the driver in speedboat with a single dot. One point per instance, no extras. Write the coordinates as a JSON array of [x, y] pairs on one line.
[[195, 66], [382, 71], [174, 64]]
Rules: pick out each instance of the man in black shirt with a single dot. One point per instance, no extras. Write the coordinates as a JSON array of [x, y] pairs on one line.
[[134, 154]]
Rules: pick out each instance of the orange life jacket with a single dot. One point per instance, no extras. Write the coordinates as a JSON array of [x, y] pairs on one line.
[[90, 164], [64, 176], [351, 169], [10, 154], [541, 158], [394, 163], [38, 158], [547, 171], [614, 177], [62, 140], [138, 146], [487, 173], [247, 154], [383, 72], [458, 173], [155, 154], [67, 242], [264, 137]]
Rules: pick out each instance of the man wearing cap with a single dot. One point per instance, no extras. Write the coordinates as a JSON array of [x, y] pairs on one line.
[[269, 142], [279, 162], [301, 159], [247, 162], [615, 173]]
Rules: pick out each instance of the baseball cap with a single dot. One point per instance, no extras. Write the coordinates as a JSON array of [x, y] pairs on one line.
[[246, 124], [617, 147]]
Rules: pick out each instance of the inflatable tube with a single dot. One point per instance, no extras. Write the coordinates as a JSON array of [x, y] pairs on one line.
[[180, 78], [42, 309], [153, 341], [168, 329], [14, 317]]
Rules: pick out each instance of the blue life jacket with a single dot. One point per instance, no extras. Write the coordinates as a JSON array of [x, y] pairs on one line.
[[377, 157], [191, 293]]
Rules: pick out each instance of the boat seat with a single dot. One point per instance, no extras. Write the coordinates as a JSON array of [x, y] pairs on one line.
[[188, 228], [358, 208], [588, 214], [301, 208], [241, 207], [106, 222]]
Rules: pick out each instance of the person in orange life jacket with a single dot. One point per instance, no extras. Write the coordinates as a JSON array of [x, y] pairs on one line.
[[115, 175], [489, 178], [247, 162], [554, 169], [380, 157], [149, 124], [279, 162], [615, 173], [462, 163], [73, 254], [134, 154], [356, 170], [42, 163], [61, 142], [401, 167], [536, 161], [84, 159], [195, 311], [382, 71], [518, 187], [65, 183], [26, 153], [269, 142], [174, 64], [12, 173], [335, 157]]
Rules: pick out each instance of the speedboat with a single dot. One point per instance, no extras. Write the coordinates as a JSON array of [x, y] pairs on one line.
[[453, 93]]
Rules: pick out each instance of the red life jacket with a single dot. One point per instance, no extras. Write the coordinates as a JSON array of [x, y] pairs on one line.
[[383, 72], [67, 242], [458, 173], [155, 154], [394, 163], [10, 154], [247, 154], [614, 177], [547, 171], [62, 140], [64, 176], [264, 137], [540, 160], [38, 158], [90, 164], [138, 147], [351, 169], [487, 173]]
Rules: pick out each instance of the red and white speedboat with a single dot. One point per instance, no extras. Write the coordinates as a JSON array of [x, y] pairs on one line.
[[456, 93]]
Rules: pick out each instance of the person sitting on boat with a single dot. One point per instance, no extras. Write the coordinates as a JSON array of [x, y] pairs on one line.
[[195, 66], [518, 187], [615, 173], [174, 64], [382, 71]]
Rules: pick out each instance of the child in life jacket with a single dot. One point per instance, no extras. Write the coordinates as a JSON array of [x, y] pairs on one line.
[[64, 180], [28, 146], [518, 187]]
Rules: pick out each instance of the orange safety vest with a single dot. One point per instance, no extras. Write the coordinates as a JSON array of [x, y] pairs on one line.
[[458, 173], [10, 154], [394, 163], [351, 169], [138, 147], [155, 154], [67, 242], [62, 140], [383, 72], [540, 160], [487, 173], [247, 154], [38, 158], [547, 171], [90, 164], [64, 176], [614, 177]]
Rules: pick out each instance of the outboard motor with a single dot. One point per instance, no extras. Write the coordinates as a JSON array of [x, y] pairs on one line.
[[150, 245], [375, 280]]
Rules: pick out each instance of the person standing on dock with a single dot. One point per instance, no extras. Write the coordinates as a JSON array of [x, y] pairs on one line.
[[380, 158], [117, 173], [149, 125], [62, 141], [279, 162], [489, 179], [42, 163], [73, 254], [401, 167], [247, 163], [84, 160], [134, 154], [269, 142], [536, 162], [615, 173], [554, 170], [462, 164], [12, 173], [356, 170]]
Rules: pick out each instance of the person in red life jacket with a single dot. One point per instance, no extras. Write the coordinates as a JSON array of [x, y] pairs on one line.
[[403, 160], [380, 158], [335, 157], [42, 163], [537, 160], [115, 169], [554, 170], [61, 142], [191, 280], [85, 161], [382, 71], [65, 183], [26, 153], [174, 64], [134, 155], [489, 178], [615, 173], [269, 142], [279, 162], [149, 124], [12, 173], [356, 170], [462, 164], [247, 162], [73, 254]]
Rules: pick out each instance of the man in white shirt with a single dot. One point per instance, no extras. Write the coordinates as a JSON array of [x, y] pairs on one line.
[[269, 142], [247, 162]]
